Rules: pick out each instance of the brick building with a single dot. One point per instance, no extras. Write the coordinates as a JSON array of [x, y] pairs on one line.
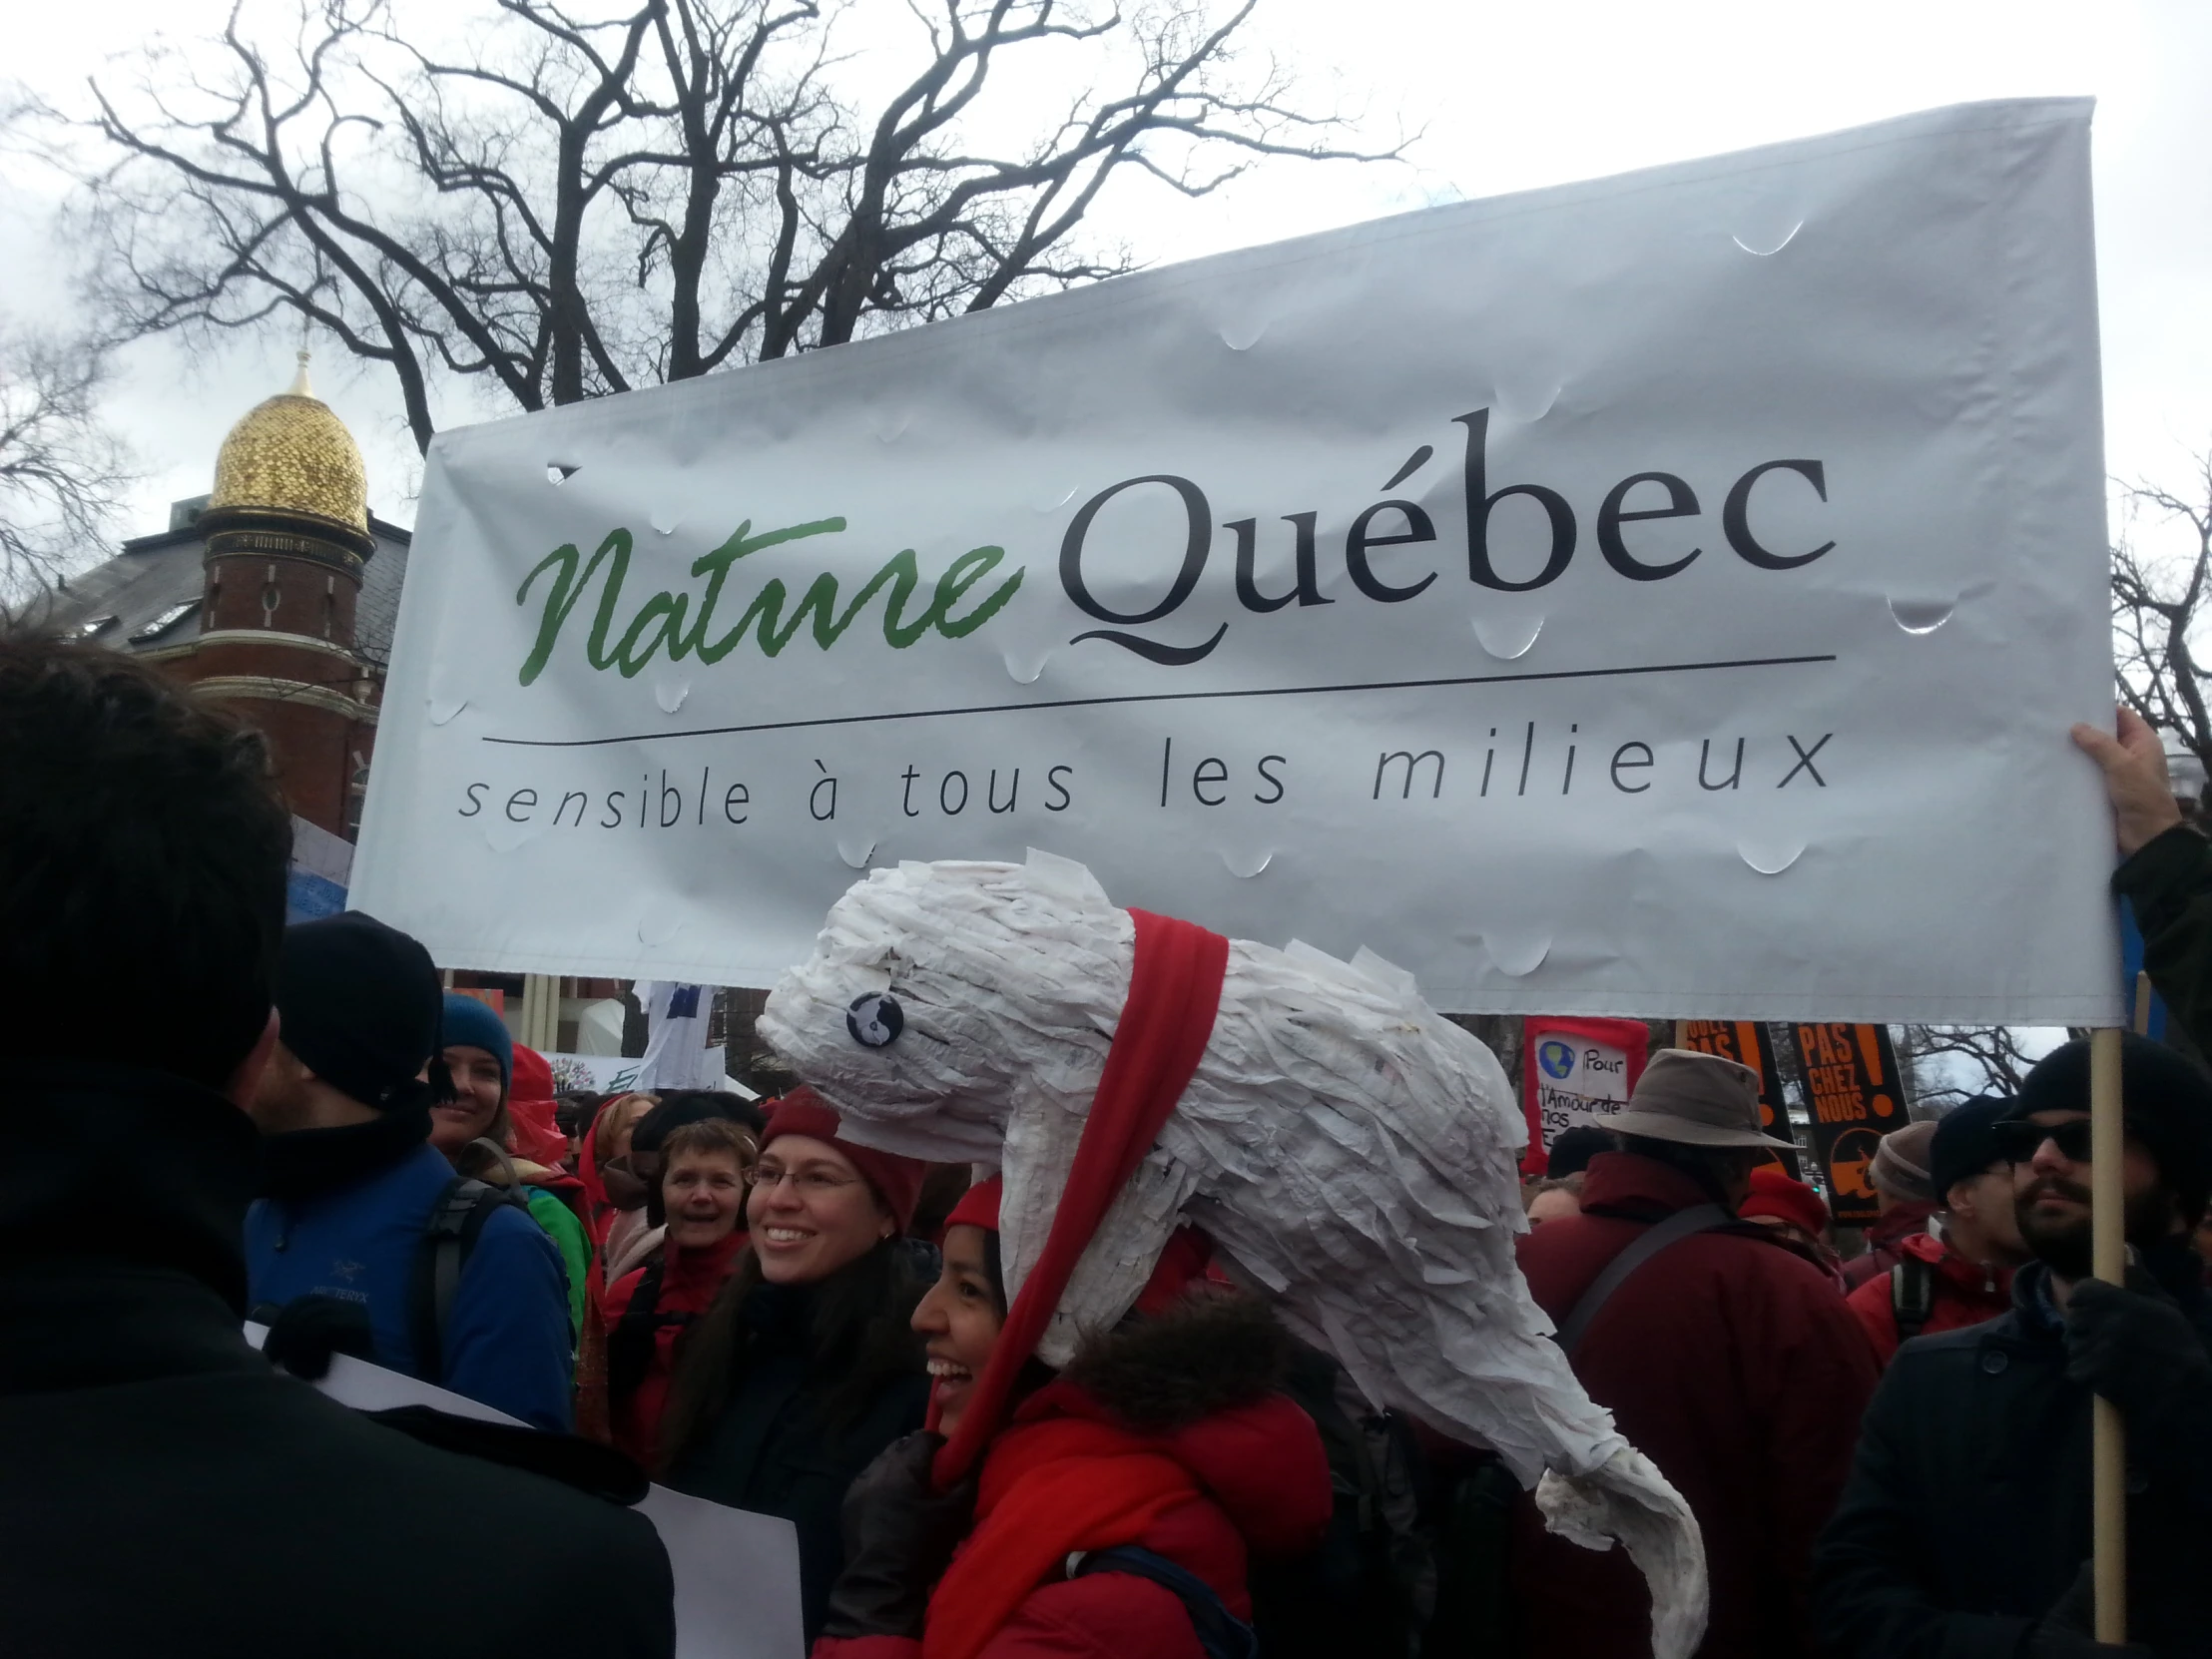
[[276, 594]]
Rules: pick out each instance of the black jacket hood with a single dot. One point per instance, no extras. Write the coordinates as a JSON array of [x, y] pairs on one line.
[[1211, 1351]]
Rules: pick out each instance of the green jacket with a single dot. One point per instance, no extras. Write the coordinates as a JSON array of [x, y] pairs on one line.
[[567, 1233], [2169, 883]]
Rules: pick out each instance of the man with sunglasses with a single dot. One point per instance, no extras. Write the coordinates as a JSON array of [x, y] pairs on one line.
[[1964, 1528]]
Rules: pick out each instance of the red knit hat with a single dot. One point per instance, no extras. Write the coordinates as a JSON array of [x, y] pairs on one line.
[[978, 1205], [1188, 1255], [896, 1180], [1775, 1194]]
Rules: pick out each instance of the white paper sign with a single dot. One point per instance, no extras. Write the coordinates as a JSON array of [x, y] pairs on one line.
[[737, 1574], [1575, 1076], [676, 1054], [1664, 595], [612, 1074]]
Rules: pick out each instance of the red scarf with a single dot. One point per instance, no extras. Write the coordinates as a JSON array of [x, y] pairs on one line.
[[1174, 994], [1048, 1490], [596, 1202]]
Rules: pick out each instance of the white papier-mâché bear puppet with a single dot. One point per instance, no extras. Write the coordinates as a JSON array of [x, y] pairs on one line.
[[1351, 1153]]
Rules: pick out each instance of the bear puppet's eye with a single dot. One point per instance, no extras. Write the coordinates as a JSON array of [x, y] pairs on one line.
[[874, 1019]]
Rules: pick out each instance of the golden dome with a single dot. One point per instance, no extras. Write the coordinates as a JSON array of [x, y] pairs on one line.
[[292, 454]]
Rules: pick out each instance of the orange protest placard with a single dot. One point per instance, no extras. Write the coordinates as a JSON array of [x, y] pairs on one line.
[[1854, 1094]]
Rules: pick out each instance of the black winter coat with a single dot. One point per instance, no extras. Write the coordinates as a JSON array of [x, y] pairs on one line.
[[2169, 883], [1967, 1514], [782, 1445], [163, 1490]]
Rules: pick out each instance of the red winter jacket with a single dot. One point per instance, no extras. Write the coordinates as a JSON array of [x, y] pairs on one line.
[[1962, 1293], [1263, 1488], [1734, 1366], [688, 1281]]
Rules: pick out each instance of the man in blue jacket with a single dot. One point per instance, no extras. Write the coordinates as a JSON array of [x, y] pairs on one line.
[[336, 1248]]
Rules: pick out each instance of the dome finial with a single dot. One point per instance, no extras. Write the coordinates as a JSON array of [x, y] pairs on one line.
[[290, 455], [300, 386]]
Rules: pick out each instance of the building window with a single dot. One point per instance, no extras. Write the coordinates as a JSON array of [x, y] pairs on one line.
[[164, 622], [356, 792]]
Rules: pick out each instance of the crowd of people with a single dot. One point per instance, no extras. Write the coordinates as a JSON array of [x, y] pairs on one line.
[[300, 1129]]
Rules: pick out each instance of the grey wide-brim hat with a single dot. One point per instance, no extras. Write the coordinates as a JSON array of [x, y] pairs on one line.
[[1696, 1099]]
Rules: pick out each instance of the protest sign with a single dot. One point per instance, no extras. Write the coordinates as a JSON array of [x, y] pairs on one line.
[[2146, 1010], [1855, 1095], [737, 1574], [1605, 599], [597, 1073], [612, 1074], [314, 881], [676, 1054], [1749, 1043], [1575, 1065]]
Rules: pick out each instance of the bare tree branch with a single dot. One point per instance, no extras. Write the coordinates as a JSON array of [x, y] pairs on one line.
[[2158, 602], [588, 200], [1988, 1059], [62, 472]]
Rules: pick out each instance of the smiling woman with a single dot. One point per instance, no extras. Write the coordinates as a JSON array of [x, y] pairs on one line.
[[1124, 1498], [647, 1311], [804, 1368]]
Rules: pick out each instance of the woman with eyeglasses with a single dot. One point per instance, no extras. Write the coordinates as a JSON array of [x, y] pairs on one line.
[[806, 1365]]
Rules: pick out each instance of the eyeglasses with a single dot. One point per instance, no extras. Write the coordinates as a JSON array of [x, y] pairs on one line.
[[2018, 1140], [809, 1183]]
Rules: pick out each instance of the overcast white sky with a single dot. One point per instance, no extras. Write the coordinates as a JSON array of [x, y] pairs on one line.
[[1505, 96]]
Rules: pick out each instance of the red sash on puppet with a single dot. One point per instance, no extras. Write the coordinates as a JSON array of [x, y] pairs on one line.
[[1174, 994]]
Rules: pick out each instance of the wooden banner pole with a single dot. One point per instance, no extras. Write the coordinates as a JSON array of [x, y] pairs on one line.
[[2108, 1261], [1682, 1033]]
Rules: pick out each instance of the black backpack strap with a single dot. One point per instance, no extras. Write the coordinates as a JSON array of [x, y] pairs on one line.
[[448, 1238], [1683, 1223], [631, 1343], [1911, 1296], [1221, 1634]]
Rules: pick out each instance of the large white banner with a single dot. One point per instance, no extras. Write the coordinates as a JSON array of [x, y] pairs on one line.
[[1661, 596]]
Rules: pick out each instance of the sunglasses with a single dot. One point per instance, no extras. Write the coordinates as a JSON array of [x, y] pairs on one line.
[[2019, 1140]]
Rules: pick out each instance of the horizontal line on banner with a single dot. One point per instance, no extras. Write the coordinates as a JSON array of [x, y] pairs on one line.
[[1166, 697]]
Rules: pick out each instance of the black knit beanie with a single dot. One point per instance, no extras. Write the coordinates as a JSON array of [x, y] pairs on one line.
[[359, 1004], [2166, 1099], [1966, 1142]]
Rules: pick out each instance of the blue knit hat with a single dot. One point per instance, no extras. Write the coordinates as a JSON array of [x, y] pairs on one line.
[[472, 1024]]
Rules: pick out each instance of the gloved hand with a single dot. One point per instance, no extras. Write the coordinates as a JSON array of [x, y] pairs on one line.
[[899, 1535], [307, 1330], [2141, 1354], [2067, 1631]]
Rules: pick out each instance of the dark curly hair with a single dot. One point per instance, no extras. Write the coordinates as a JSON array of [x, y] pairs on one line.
[[142, 852]]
